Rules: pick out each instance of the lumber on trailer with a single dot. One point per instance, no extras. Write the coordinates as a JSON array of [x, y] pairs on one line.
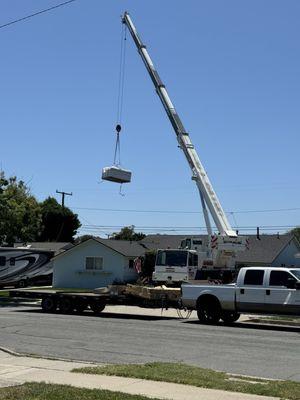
[[153, 293]]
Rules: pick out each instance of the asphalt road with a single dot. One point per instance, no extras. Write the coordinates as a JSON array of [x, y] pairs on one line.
[[124, 338]]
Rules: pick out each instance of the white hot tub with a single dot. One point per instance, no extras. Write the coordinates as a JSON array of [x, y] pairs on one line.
[[116, 174]]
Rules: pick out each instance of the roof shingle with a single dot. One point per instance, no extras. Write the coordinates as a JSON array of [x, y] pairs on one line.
[[263, 250]]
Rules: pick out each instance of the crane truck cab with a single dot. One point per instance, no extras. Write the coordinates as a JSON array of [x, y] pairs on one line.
[[198, 260], [175, 265]]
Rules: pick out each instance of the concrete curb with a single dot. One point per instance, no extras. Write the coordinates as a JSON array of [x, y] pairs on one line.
[[67, 360], [265, 321], [11, 352], [18, 372]]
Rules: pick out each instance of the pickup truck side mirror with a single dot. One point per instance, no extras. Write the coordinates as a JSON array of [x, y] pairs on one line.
[[291, 283], [297, 285]]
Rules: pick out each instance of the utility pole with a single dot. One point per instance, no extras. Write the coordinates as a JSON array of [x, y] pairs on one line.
[[63, 194]]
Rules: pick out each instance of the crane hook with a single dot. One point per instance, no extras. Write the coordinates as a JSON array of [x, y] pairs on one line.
[[118, 128]]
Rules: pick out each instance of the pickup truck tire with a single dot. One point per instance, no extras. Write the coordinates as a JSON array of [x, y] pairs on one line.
[[209, 310], [229, 317], [49, 304]]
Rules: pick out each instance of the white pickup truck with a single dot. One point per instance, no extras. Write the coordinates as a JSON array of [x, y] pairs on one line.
[[261, 290]]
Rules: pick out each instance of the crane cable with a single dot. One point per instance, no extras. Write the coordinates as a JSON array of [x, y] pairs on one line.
[[117, 154]]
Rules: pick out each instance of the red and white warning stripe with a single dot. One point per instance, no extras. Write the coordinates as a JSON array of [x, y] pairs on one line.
[[214, 242]]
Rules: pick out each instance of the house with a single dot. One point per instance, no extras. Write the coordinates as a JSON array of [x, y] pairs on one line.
[[271, 251], [96, 263], [29, 263], [264, 250]]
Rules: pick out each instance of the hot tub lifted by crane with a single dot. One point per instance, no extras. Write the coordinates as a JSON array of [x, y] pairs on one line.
[[116, 174]]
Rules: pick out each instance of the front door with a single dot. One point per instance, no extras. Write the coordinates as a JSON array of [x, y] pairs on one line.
[[279, 299]]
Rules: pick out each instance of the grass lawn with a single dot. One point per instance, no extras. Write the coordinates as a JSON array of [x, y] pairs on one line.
[[201, 377], [43, 391]]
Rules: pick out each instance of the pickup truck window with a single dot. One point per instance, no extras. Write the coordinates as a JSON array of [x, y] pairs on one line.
[[254, 277], [280, 278], [296, 272]]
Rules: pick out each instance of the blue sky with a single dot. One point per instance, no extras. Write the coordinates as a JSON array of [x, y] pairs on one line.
[[232, 71]]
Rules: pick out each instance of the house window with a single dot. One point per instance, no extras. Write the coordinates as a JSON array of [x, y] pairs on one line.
[[12, 261], [131, 264], [92, 263], [2, 261], [254, 277]]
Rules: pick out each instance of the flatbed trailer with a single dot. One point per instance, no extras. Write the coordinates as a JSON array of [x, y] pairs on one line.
[[53, 300]]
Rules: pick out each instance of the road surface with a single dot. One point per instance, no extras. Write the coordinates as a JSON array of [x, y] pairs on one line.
[[121, 337]]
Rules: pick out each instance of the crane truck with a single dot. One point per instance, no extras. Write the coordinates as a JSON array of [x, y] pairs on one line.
[[257, 290], [219, 253]]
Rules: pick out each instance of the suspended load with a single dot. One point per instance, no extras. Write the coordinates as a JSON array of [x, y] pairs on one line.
[[115, 173]]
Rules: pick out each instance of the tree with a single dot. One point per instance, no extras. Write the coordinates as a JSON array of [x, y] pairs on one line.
[[20, 213], [128, 233], [296, 232], [59, 224]]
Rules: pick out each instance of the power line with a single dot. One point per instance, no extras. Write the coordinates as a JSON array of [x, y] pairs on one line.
[[36, 13], [178, 228], [183, 211], [186, 227]]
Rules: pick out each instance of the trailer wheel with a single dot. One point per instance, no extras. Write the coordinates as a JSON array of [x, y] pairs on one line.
[[97, 307], [49, 304], [80, 306], [66, 305], [208, 310], [229, 317]]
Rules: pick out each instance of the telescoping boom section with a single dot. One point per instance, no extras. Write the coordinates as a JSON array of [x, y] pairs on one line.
[[227, 239]]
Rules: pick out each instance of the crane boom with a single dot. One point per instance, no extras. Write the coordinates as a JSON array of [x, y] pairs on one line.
[[207, 193]]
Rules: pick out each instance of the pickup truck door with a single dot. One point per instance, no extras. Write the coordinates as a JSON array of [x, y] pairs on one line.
[[250, 294], [279, 298]]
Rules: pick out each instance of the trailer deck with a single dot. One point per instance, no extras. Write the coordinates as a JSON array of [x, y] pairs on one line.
[[132, 295]]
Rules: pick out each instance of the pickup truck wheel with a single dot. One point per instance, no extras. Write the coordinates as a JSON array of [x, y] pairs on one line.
[[49, 304], [209, 311], [229, 317], [97, 307]]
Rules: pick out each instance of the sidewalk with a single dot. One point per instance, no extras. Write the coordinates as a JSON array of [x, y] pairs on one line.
[[16, 370]]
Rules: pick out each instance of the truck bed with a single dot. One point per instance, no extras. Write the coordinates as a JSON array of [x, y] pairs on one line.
[[190, 294]]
